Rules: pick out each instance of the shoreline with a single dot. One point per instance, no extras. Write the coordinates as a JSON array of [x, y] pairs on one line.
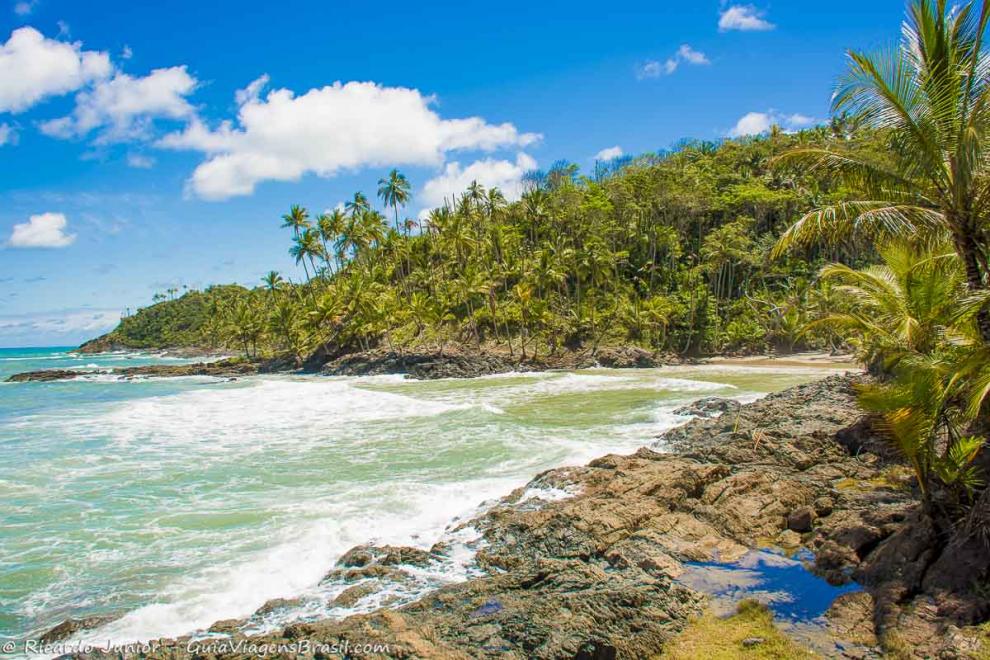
[[456, 363], [595, 571]]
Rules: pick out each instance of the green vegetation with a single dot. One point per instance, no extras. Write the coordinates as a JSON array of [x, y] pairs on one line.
[[693, 250], [669, 251], [174, 321], [920, 320], [716, 638]]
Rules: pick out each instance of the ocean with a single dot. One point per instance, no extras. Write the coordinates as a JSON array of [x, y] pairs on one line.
[[174, 503]]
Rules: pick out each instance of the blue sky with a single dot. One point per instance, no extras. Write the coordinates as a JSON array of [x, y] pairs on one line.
[[145, 147]]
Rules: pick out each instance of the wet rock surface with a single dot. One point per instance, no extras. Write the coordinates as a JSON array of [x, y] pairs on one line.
[[228, 368], [459, 363], [595, 575], [709, 407], [70, 627]]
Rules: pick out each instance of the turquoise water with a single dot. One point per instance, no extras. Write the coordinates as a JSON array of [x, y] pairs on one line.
[[178, 502]]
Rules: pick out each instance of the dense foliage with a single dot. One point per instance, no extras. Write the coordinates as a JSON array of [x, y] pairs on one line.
[[174, 321], [670, 251], [921, 319]]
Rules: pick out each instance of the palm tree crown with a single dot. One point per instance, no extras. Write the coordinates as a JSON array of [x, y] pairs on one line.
[[929, 99]]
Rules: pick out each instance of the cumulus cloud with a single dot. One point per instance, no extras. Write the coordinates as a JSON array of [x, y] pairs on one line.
[[124, 106], [45, 230], [609, 154], [757, 123], [745, 18], [33, 67], [684, 55], [326, 130], [505, 175]]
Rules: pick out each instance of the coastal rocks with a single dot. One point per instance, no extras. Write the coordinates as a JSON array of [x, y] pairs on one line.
[[70, 627], [276, 604], [629, 357], [593, 574], [467, 363], [709, 407], [45, 376], [801, 519], [422, 366], [221, 368], [385, 555]]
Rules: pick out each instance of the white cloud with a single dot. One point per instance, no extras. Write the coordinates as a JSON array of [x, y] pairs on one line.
[[33, 67], [685, 54], [745, 18], [757, 123], [124, 106], [126, 53], [45, 230], [25, 7], [8, 134], [609, 154], [491, 173], [69, 326], [140, 161], [691, 56], [283, 136], [650, 69]]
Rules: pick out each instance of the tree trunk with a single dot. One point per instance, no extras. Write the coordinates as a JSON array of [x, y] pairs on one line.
[[968, 250]]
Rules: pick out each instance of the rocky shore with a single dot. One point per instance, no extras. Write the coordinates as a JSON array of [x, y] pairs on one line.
[[586, 562], [228, 368], [455, 363]]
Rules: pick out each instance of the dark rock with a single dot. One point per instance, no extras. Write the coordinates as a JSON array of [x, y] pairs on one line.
[[220, 368], [70, 627], [750, 642], [384, 555], [276, 604], [709, 407], [44, 376], [226, 627], [801, 520], [824, 506], [422, 366], [350, 596], [628, 357]]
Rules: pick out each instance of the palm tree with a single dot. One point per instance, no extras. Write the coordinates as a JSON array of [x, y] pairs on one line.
[[358, 204], [909, 305], [331, 225], [273, 281], [306, 247], [297, 218], [921, 412], [394, 192], [929, 99]]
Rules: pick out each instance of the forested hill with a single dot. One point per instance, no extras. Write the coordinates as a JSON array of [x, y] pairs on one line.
[[670, 251]]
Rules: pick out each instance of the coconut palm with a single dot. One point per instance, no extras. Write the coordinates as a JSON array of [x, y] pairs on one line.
[[922, 413], [910, 304], [929, 99], [297, 219], [330, 226], [273, 281], [358, 204], [394, 191]]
